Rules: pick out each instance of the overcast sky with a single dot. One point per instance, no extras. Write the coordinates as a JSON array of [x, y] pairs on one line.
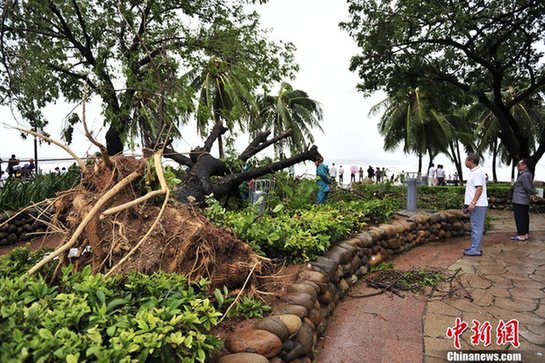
[[323, 53]]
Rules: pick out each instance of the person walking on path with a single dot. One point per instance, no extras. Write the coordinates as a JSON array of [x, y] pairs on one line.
[[431, 175], [523, 192], [475, 203], [341, 174], [322, 180]]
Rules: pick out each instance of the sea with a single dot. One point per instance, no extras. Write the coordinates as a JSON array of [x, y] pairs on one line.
[[397, 167]]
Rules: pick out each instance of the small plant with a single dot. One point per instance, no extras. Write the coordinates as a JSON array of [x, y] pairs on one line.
[[245, 307]]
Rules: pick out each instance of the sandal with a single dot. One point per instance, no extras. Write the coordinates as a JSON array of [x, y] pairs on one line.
[[519, 238]]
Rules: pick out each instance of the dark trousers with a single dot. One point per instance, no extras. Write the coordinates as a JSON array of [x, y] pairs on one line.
[[522, 218]]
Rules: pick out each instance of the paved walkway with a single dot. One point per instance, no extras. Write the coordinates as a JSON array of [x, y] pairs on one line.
[[508, 282]]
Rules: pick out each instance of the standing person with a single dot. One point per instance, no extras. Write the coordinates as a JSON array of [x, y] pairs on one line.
[[383, 175], [322, 180], [360, 172], [476, 202], [440, 172], [431, 175], [523, 192], [341, 174], [333, 172], [378, 175], [353, 172], [12, 163], [370, 172]]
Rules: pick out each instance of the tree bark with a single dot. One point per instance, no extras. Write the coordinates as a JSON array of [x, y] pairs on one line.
[[198, 182]]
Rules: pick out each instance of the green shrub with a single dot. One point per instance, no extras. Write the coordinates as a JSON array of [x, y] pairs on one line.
[[299, 235], [108, 319], [19, 193]]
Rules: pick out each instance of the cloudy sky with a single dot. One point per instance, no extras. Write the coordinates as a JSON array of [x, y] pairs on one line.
[[323, 53]]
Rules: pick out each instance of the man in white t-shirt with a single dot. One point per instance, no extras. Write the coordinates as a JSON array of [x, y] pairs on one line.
[[333, 172], [431, 175], [475, 203]]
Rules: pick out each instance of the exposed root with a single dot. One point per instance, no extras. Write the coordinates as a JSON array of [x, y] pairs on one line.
[[127, 231]]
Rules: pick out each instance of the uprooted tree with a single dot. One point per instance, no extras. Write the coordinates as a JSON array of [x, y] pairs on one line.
[[127, 229], [202, 166]]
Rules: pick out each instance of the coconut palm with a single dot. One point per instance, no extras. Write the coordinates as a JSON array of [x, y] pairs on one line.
[[224, 96], [529, 115], [406, 119], [289, 109]]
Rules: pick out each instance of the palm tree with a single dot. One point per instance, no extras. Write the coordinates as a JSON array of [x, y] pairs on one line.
[[224, 96], [529, 114], [289, 109], [406, 119]]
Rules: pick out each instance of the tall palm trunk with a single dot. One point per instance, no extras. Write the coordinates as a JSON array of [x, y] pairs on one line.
[[494, 158]]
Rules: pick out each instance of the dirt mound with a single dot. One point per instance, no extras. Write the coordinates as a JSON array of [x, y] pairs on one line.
[[146, 236]]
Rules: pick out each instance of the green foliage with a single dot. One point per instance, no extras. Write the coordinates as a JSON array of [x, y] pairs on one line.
[[406, 45], [383, 266], [19, 193], [246, 307], [108, 319], [151, 44], [299, 235], [293, 193]]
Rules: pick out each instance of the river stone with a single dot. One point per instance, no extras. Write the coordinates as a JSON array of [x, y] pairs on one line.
[[254, 341], [394, 243], [315, 316], [343, 285], [375, 259], [435, 217], [339, 254], [365, 238], [276, 360], [299, 299], [326, 297], [282, 309], [274, 325], [354, 242], [356, 263], [292, 322], [304, 343], [318, 278], [302, 288], [311, 284], [243, 358], [329, 269], [308, 322]]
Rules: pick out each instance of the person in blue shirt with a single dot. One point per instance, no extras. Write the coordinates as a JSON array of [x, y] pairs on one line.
[[322, 180]]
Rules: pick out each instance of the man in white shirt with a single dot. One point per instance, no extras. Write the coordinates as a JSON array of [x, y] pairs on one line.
[[333, 172], [431, 175], [475, 203]]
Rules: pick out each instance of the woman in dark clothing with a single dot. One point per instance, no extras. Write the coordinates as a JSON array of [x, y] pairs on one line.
[[523, 192]]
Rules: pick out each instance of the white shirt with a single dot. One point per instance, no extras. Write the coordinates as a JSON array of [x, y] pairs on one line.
[[440, 173], [431, 171], [475, 179], [333, 171]]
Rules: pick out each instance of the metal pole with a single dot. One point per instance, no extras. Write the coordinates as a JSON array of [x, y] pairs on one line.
[[36, 151]]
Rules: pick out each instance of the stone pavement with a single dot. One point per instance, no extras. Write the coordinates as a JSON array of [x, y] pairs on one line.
[[508, 282]]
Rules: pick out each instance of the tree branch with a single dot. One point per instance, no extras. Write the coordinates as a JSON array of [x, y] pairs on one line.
[[216, 132], [260, 142]]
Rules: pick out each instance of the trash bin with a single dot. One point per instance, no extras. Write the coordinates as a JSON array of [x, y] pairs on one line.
[[412, 180]]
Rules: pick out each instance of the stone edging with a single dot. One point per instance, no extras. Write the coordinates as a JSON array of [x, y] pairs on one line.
[[291, 332], [20, 227]]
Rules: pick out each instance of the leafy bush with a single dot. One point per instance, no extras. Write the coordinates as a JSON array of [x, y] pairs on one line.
[[109, 319], [20, 193], [299, 235]]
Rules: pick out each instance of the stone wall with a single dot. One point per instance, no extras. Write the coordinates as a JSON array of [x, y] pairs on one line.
[[20, 227], [290, 333]]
